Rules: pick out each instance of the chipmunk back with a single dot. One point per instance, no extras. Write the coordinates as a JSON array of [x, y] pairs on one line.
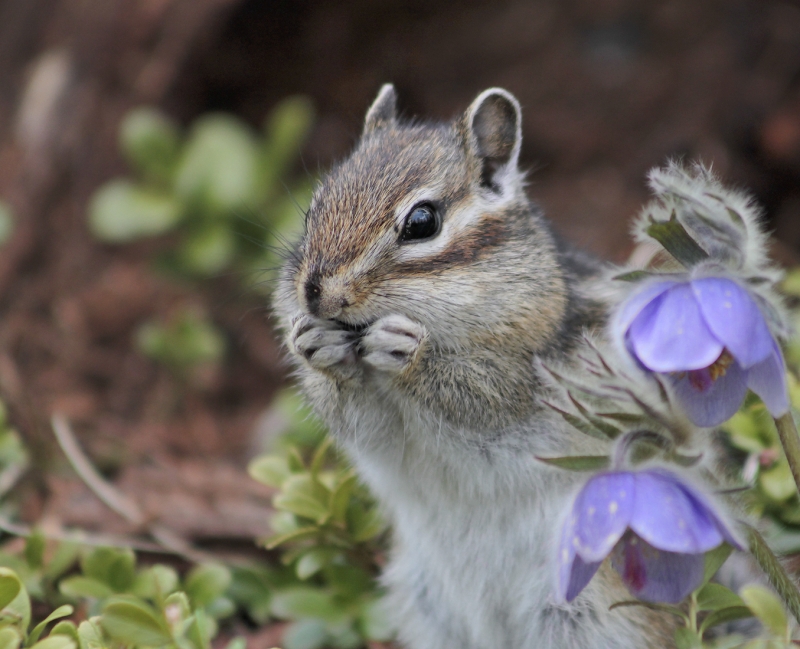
[[415, 306]]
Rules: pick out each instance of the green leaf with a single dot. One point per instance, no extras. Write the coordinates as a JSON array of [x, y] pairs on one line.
[[286, 128], [239, 642], [284, 523], [56, 642], [120, 212], [251, 588], [577, 423], [304, 496], [725, 615], [627, 418], [634, 275], [308, 634], [219, 169], [777, 482], [91, 635], [10, 638], [6, 222], [348, 581], [156, 582], [364, 524], [150, 142], [577, 462], [306, 602], [270, 470], [663, 608], [19, 606], [34, 550], [609, 430], [375, 623], [67, 628], [345, 637], [10, 587], [791, 283], [713, 597], [200, 630], [61, 611], [220, 608], [311, 562], [341, 495], [79, 587], [677, 241], [114, 567], [209, 250], [131, 621], [319, 456], [302, 534], [177, 611], [687, 639], [207, 582], [714, 559], [63, 559], [766, 606], [186, 341]]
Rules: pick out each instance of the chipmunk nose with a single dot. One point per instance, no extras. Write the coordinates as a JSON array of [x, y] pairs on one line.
[[325, 296]]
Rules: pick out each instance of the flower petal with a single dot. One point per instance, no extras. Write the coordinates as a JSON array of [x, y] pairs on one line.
[[573, 572], [580, 574], [768, 380], [734, 318], [715, 404], [636, 302], [667, 516], [602, 512], [654, 575], [670, 334]]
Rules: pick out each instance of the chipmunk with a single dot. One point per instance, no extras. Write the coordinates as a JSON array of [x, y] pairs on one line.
[[424, 289]]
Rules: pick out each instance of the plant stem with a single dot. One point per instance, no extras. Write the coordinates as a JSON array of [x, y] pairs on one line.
[[787, 431], [693, 612], [777, 575]]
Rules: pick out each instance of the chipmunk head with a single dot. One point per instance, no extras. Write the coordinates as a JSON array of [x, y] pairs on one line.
[[432, 221]]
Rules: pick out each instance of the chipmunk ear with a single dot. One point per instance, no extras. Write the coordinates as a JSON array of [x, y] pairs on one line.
[[383, 111], [493, 126]]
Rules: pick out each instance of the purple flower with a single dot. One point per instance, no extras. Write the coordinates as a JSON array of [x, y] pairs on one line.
[[709, 337], [655, 527]]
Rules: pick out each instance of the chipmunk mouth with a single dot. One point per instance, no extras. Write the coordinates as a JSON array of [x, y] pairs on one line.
[[355, 327]]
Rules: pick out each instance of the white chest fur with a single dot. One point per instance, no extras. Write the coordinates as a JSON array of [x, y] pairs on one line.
[[474, 524]]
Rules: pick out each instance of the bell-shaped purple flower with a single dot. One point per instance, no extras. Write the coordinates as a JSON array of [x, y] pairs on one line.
[[710, 338], [655, 527]]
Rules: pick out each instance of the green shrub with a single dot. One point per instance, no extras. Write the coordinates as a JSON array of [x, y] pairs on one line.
[[226, 190]]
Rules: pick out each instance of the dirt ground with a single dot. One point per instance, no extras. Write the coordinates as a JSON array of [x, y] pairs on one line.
[[609, 88]]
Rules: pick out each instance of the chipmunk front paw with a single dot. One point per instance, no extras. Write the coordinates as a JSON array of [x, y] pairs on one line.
[[325, 345], [392, 343]]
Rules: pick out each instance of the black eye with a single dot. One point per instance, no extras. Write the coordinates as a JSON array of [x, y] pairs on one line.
[[422, 223]]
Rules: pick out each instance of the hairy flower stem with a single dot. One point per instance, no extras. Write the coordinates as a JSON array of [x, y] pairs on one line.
[[787, 431], [775, 572]]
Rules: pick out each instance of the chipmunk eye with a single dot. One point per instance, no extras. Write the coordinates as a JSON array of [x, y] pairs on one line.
[[422, 222]]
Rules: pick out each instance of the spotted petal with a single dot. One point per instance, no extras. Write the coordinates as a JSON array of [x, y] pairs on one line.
[[671, 335], [715, 404], [602, 512], [768, 380], [734, 318], [654, 575], [668, 517]]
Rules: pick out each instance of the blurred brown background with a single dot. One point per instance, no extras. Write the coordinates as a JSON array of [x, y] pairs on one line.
[[609, 88]]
